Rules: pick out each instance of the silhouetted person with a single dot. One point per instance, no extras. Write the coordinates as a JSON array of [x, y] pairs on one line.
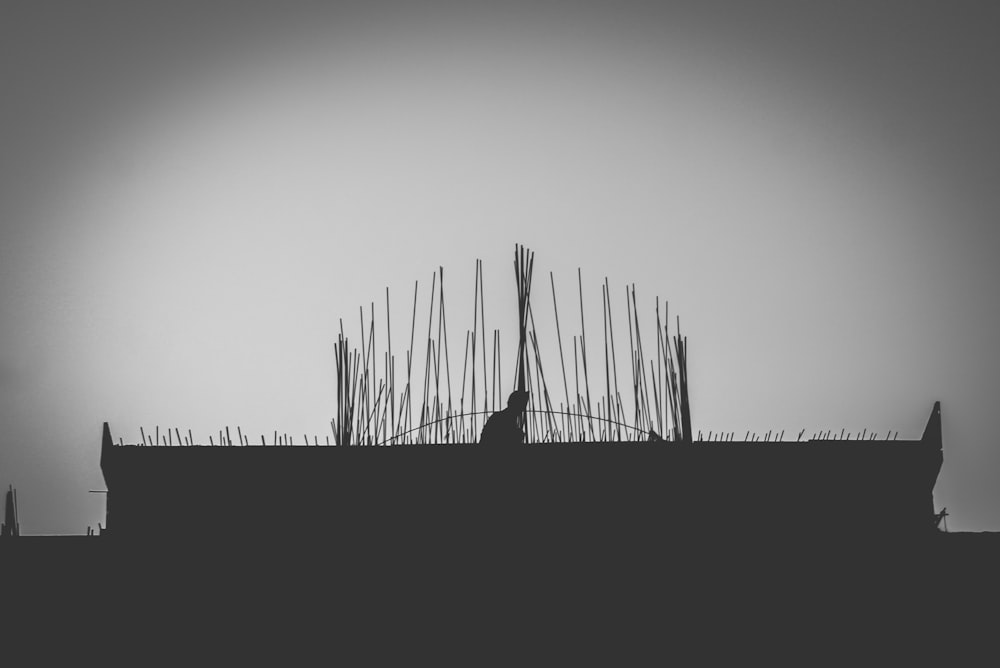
[[502, 425]]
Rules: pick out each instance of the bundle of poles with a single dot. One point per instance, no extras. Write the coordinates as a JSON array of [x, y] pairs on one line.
[[374, 407], [377, 408]]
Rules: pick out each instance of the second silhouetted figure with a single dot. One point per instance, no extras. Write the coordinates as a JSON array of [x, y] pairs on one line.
[[502, 426]]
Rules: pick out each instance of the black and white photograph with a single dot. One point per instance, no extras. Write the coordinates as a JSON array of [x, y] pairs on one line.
[[500, 333]]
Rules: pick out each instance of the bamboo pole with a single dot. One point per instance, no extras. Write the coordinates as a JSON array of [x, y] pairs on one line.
[[390, 367], [607, 370], [562, 361], [619, 414], [475, 324], [583, 352], [482, 333]]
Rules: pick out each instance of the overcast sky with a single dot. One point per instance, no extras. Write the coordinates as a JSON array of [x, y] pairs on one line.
[[191, 196]]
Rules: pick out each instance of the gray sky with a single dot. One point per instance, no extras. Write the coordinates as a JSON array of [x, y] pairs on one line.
[[191, 196]]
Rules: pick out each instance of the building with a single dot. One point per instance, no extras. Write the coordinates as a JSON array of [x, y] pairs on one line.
[[373, 497]]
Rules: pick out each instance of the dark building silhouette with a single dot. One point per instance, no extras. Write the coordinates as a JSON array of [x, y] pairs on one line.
[[580, 552], [643, 492]]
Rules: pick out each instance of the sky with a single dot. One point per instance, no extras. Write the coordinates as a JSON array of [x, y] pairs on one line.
[[193, 195]]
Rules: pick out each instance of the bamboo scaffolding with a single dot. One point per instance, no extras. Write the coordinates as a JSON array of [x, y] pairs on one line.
[[373, 409]]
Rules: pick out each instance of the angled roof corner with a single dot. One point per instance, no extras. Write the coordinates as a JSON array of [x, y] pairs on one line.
[[932, 432], [106, 443]]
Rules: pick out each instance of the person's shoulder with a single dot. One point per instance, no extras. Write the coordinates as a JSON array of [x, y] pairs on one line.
[[492, 424], [497, 417]]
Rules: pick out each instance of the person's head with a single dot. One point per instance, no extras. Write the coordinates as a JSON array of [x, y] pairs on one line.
[[517, 401]]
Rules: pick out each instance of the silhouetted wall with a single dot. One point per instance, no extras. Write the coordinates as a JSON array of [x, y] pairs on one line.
[[639, 495]]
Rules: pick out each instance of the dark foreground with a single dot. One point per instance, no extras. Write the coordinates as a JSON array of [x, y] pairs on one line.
[[704, 600]]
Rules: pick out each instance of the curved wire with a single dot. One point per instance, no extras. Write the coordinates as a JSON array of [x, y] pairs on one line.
[[462, 415]]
